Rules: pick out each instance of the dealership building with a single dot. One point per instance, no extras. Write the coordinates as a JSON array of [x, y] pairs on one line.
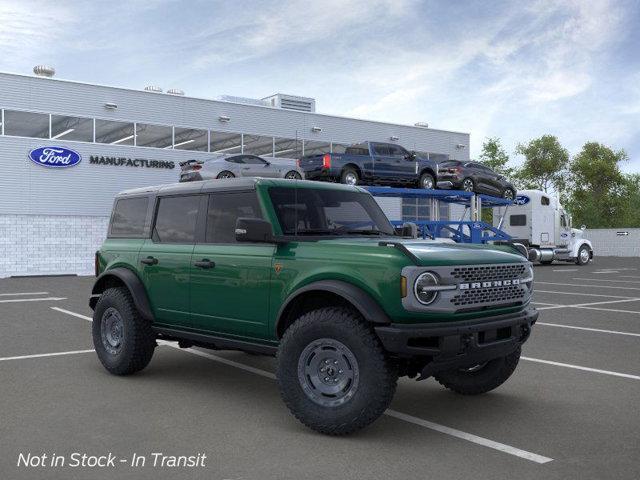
[[52, 219]]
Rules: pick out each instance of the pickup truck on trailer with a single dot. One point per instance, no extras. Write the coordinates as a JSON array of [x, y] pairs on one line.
[[372, 163], [315, 274]]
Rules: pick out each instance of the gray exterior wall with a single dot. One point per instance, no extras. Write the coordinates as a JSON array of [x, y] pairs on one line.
[[608, 243]]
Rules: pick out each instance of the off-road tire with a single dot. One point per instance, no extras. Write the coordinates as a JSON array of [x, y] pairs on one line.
[[377, 375], [347, 171], [493, 374], [138, 340], [424, 178]]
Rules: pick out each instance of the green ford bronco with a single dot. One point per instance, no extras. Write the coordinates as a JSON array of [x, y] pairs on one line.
[[315, 274]]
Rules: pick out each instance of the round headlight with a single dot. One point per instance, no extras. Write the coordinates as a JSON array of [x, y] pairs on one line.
[[423, 288]]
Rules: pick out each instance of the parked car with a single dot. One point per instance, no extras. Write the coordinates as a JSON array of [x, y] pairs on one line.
[[313, 273], [230, 166], [372, 163], [474, 177]]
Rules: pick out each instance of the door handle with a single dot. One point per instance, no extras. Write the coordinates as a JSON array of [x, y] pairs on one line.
[[204, 263], [149, 261]]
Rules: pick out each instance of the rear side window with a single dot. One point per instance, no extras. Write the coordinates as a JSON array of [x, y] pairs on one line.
[[176, 219], [517, 220], [357, 150], [224, 210], [381, 149], [128, 218]]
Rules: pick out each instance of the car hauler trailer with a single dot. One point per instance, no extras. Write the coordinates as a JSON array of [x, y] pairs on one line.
[[538, 221]]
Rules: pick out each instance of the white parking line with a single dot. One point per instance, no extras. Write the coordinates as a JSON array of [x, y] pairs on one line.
[[566, 270], [605, 280], [598, 330], [583, 294], [392, 413], [47, 299], [610, 310], [587, 305], [579, 367], [23, 293], [74, 314], [590, 286], [41, 355]]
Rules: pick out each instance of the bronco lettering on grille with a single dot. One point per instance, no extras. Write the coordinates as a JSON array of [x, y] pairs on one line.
[[494, 283]]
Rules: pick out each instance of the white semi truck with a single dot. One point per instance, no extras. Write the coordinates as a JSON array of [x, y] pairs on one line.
[[538, 221]]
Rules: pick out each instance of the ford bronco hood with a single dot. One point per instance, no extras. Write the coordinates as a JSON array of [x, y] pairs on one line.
[[433, 253]]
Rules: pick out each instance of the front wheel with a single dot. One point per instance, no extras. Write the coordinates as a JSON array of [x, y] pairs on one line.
[[332, 372], [427, 181], [584, 256], [225, 174], [293, 175], [123, 340], [480, 378]]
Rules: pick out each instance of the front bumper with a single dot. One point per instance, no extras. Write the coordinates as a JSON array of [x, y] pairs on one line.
[[445, 346]]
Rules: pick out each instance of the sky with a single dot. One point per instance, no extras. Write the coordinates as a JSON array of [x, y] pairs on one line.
[[514, 70]]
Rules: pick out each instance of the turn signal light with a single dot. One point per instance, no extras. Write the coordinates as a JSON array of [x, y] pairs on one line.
[[326, 161], [403, 286]]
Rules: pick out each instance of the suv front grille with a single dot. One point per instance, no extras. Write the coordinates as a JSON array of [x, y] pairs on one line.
[[487, 272], [492, 295]]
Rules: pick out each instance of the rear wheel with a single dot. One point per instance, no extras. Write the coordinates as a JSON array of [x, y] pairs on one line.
[[225, 174], [584, 255], [349, 176], [293, 175], [480, 378], [123, 340], [468, 185], [333, 373], [427, 181]]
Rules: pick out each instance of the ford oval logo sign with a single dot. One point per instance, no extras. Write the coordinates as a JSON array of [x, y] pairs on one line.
[[56, 157], [521, 200]]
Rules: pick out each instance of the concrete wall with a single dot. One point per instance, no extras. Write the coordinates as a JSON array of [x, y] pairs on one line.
[[609, 242]]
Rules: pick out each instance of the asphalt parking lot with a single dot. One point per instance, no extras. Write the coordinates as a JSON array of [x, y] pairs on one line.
[[569, 411]]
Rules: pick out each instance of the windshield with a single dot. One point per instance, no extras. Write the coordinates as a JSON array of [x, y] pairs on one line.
[[310, 211]]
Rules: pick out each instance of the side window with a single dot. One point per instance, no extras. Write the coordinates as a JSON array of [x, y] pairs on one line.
[[224, 210], [544, 200], [128, 217], [517, 220], [395, 151], [563, 221], [252, 160], [176, 219], [381, 149], [239, 159]]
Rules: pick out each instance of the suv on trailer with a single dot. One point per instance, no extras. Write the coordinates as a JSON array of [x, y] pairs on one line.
[[313, 273]]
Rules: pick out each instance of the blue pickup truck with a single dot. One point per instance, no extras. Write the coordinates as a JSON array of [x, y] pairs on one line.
[[372, 163]]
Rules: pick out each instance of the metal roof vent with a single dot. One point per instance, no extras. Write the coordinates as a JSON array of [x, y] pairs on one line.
[[44, 71], [175, 91], [153, 88]]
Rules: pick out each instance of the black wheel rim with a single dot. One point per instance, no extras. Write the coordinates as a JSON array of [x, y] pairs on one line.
[[112, 330], [467, 186], [328, 372]]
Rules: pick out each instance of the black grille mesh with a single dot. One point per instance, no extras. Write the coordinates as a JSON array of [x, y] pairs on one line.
[[495, 295], [485, 273]]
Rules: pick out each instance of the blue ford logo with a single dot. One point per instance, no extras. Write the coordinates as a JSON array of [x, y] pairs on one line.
[[56, 157], [521, 200]]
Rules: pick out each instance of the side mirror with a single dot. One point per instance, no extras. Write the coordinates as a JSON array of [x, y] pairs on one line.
[[253, 230], [410, 156], [409, 229], [267, 163]]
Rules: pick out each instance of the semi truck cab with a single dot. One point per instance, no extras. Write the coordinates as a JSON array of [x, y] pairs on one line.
[[538, 221]]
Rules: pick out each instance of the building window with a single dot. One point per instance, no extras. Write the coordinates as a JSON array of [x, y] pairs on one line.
[[72, 128], [287, 148], [225, 142], [257, 145], [114, 133], [316, 148], [157, 136], [26, 124], [191, 139]]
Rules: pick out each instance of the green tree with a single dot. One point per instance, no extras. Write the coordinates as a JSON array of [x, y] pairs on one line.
[[631, 210], [545, 164], [495, 157], [599, 192]]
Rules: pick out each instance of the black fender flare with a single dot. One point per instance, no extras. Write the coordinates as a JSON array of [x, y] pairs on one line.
[[133, 284], [370, 310]]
